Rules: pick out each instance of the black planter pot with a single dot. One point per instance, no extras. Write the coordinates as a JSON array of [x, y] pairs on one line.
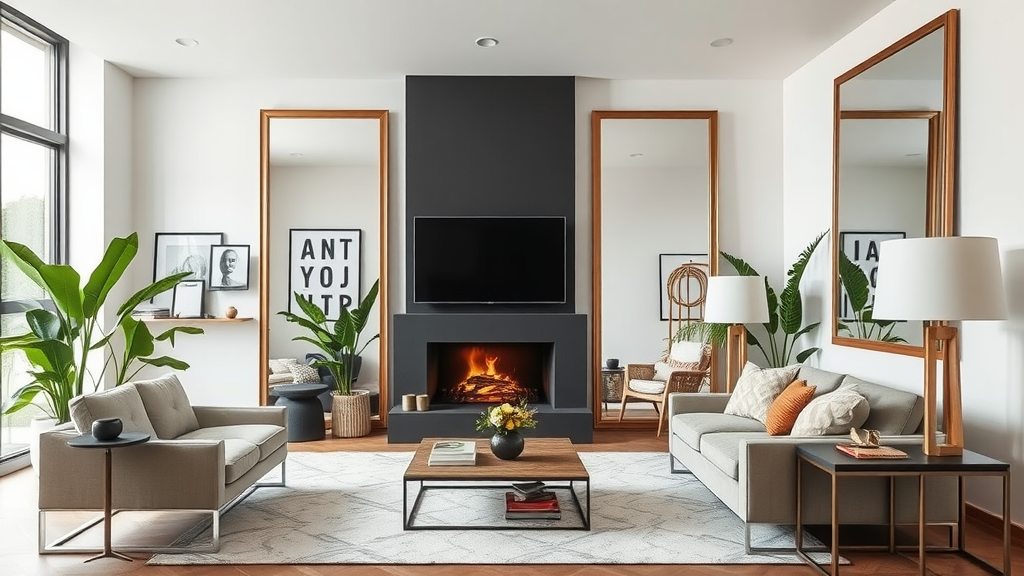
[[508, 445]]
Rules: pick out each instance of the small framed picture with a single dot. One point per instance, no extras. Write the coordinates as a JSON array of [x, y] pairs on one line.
[[229, 267], [182, 252], [187, 301]]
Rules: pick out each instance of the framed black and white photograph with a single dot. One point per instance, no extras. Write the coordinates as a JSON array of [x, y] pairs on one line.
[[863, 248], [669, 262], [229, 269], [180, 252], [187, 299], [324, 267]]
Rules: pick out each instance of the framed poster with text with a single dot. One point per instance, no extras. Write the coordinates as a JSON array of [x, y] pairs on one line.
[[862, 248], [324, 268]]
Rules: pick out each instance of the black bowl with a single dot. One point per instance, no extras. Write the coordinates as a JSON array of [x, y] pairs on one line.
[[106, 429], [611, 363]]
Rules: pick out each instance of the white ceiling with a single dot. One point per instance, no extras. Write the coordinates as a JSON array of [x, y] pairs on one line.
[[389, 39]]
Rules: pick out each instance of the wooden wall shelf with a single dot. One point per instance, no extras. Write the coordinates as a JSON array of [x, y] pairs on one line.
[[196, 319]]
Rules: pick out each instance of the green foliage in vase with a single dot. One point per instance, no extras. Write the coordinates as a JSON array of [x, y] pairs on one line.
[[340, 342], [863, 326], [785, 314], [60, 340]]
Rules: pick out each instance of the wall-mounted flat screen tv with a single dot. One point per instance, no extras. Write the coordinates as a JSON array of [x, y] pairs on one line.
[[489, 259]]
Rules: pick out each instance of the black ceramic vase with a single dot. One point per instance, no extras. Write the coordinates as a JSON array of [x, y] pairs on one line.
[[508, 445], [105, 429]]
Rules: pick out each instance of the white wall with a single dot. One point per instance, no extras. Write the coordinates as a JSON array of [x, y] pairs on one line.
[[196, 169], [990, 205], [322, 197]]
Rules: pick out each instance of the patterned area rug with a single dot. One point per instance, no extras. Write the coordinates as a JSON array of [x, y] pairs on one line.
[[346, 508]]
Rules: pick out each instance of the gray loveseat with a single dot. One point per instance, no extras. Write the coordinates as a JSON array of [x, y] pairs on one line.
[[754, 474], [199, 458]]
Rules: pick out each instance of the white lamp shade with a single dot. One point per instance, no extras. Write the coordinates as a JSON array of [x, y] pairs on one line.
[[736, 300], [948, 278]]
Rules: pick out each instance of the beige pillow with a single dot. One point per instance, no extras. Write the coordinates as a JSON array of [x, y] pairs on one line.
[[832, 413], [280, 365], [757, 388], [168, 406], [685, 352], [123, 402]]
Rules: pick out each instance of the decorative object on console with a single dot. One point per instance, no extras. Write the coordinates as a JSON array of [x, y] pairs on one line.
[[865, 438], [941, 279], [231, 312], [182, 252], [188, 299], [736, 300], [229, 267], [611, 363], [57, 340], [324, 267], [505, 420], [105, 429], [422, 402], [350, 409], [785, 314]]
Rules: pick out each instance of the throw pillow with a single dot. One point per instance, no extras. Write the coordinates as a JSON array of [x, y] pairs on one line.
[[662, 371], [280, 365], [686, 352], [785, 409], [304, 374], [122, 402], [832, 413], [168, 406], [757, 388]]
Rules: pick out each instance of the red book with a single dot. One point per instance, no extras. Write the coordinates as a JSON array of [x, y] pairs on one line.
[[513, 505]]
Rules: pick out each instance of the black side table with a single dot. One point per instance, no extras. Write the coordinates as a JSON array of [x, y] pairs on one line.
[[88, 441], [838, 464], [305, 412]]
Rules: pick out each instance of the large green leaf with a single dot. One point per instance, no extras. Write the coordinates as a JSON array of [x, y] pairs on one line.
[[854, 281], [169, 334], [64, 285], [43, 323], [742, 268], [362, 313], [791, 311], [805, 355], [773, 308], [119, 254], [312, 311], [138, 341], [166, 362], [159, 287], [345, 330], [21, 398]]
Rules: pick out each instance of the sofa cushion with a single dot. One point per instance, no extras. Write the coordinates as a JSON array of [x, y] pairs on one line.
[[304, 374], [723, 450], [647, 386], [691, 427], [168, 406], [122, 402], [785, 409], [280, 365], [757, 388], [892, 411], [266, 437], [823, 380], [685, 352], [832, 413], [239, 457]]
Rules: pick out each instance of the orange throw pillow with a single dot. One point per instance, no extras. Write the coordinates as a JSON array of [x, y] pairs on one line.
[[783, 411]]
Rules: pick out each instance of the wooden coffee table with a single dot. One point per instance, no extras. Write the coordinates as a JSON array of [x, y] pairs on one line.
[[551, 460]]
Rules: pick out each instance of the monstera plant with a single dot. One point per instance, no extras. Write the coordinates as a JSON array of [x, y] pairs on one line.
[[857, 287], [62, 338], [785, 314]]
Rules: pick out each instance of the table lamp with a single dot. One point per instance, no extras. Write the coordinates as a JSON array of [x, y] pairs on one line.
[[937, 280], [735, 300]]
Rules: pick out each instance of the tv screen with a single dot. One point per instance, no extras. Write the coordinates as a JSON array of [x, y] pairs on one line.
[[489, 260]]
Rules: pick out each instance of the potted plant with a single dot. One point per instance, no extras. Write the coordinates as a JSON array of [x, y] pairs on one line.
[[863, 326], [339, 341], [62, 339], [785, 314], [504, 422]]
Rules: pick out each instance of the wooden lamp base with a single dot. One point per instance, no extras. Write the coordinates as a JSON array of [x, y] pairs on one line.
[[735, 355], [942, 343]]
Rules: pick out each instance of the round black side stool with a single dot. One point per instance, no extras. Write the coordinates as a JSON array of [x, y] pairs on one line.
[[305, 412]]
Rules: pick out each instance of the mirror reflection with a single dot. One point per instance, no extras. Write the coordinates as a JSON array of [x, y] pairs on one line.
[[323, 189], [893, 174], [654, 232]]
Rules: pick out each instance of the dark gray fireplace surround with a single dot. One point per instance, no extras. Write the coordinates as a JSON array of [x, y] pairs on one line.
[[490, 146]]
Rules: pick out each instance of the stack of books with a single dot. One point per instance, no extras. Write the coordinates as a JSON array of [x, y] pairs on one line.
[[531, 501], [151, 313], [453, 453]]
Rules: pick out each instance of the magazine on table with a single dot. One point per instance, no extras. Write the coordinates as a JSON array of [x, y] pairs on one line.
[[452, 453]]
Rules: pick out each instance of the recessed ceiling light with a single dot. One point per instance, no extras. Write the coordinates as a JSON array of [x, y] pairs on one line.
[[721, 42], [912, 154], [487, 42], [187, 42], [636, 154], [296, 154]]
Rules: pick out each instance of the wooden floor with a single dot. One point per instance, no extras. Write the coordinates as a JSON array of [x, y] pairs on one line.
[[18, 556]]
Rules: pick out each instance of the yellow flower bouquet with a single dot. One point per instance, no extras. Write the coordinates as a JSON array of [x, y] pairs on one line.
[[506, 417]]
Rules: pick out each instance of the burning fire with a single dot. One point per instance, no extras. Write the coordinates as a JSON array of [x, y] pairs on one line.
[[484, 383]]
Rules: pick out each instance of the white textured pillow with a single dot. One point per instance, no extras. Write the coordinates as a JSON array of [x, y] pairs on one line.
[[280, 365], [832, 413], [686, 351], [662, 371], [757, 388], [304, 374]]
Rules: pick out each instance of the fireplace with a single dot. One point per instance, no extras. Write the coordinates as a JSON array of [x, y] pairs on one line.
[[487, 373], [465, 362]]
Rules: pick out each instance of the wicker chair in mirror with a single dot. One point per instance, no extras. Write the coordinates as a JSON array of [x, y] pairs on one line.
[[686, 368]]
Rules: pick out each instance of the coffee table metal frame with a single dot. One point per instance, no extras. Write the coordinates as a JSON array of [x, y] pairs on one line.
[[836, 464], [528, 466]]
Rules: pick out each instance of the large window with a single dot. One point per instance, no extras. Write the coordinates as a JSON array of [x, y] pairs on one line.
[[33, 186]]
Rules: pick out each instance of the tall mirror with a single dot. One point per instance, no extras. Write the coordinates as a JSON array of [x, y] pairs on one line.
[[895, 135], [655, 186], [323, 186]]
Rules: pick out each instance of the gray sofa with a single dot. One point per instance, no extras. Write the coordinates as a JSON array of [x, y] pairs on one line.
[[199, 458], [754, 474]]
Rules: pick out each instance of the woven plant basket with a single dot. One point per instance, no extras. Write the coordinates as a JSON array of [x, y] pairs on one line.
[[350, 414]]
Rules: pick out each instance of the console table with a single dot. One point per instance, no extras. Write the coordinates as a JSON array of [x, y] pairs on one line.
[[837, 464], [88, 441]]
